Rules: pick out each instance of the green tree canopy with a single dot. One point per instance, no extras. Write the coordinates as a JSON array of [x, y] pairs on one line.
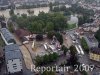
[[84, 45], [97, 35]]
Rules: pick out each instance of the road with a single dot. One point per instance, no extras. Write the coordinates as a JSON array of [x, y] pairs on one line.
[[27, 60]]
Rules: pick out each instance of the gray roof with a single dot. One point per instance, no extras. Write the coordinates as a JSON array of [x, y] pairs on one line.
[[91, 38], [13, 47], [7, 35], [3, 2], [13, 55], [95, 50], [12, 52]]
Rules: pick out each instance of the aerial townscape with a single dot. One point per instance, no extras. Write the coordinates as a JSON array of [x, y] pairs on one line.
[[49, 37]]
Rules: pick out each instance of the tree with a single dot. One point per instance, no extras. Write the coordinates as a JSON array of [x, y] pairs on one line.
[[55, 56], [38, 60], [64, 49], [73, 50], [63, 8], [29, 12], [46, 59], [24, 15], [97, 35], [39, 28], [11, 12], [11, 27], [84, 45], [84, 73], [32, 12], [59, 37], [50, 34], [49, 27], [56, 9], [39, 37], [51, 57], [67, 13], [48, 73], [42, 23], [73, 60], [51, 6], [14, 17]]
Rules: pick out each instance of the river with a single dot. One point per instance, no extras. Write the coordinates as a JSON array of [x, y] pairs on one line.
[[24, 11]]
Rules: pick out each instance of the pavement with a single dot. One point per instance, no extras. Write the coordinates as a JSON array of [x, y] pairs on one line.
[[26, 56], [67, 41], [27, 59]]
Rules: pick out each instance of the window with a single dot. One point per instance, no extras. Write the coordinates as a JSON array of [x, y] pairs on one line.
[[14, 66]]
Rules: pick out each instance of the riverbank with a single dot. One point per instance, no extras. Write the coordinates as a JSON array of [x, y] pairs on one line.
[[24, 11]]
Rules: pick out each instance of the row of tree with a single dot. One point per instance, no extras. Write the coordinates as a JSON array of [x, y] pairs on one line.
[[64, 49], [44, 22], [85, 14], [97, 35], [84, 45], [46, 59]]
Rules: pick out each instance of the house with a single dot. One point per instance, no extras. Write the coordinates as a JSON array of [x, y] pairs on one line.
[[23, 35], [13, 59], [91, 28], [94, 54], [7, 36], [91, 40]]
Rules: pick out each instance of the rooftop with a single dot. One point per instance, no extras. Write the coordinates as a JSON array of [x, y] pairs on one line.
[[7, 35], [91, 38], [13, 47], [12, 52], [3, 2], [95, 50]]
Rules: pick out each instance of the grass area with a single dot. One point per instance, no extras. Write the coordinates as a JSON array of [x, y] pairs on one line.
[[71, 26], [1, 42]]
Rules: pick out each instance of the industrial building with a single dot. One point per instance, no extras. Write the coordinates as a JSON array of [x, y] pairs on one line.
[[13, 59], [7, 36]]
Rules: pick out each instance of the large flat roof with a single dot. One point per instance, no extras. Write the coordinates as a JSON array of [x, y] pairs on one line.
[[12, 52], [13, 47], [7, 35], [13, 55], [3, 2]]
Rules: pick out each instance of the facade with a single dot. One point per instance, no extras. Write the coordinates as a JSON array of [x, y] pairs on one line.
[[91, 40], [7, 36], [95, 54], [13, 59]]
